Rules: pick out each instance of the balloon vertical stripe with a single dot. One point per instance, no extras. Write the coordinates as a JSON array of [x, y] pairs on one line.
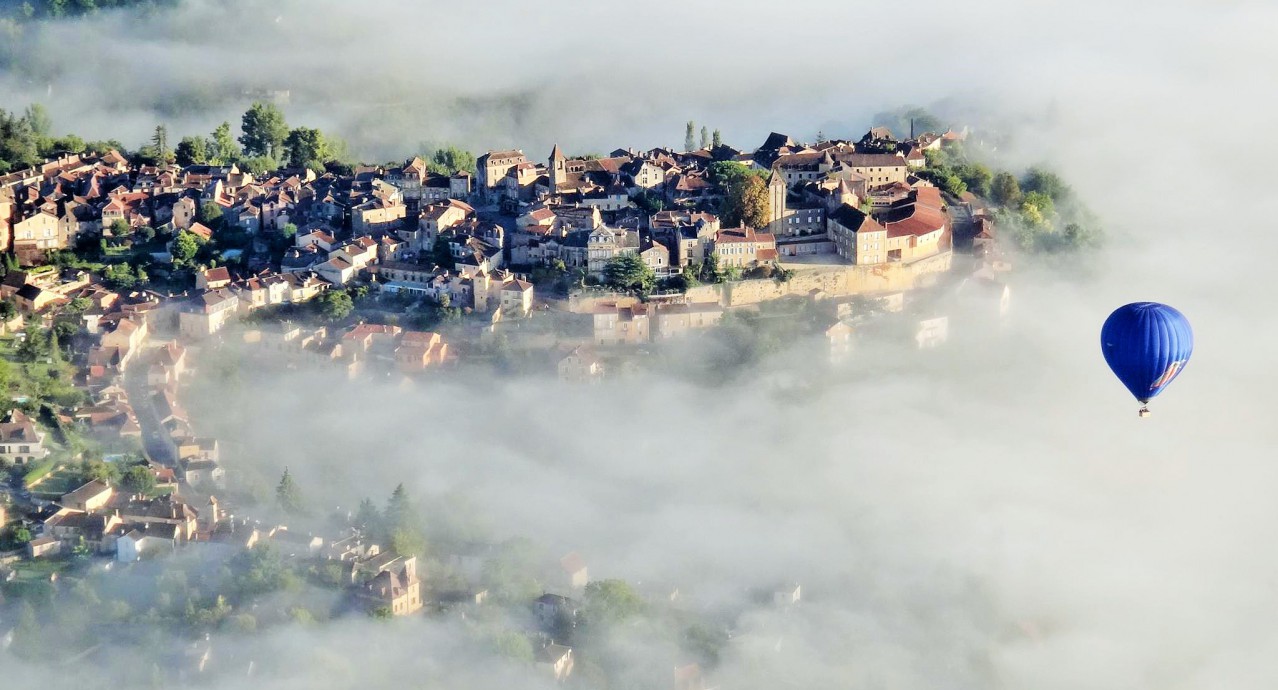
[[1147, 345]]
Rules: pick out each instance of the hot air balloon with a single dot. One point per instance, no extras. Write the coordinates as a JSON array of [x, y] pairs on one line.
[[1147, 344]]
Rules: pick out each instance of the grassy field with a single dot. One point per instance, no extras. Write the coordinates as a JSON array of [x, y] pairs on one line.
[[39, 471], [58, 482]]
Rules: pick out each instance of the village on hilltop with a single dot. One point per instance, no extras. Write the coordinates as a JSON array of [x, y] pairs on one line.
[[121, 276]]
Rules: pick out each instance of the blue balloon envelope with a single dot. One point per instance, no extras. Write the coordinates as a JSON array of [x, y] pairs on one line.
[[1147, 344]]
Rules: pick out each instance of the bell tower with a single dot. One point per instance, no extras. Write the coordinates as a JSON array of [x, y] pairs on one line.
[[556, 168]]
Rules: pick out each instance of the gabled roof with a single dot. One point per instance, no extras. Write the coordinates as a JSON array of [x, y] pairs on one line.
[[221, 273]]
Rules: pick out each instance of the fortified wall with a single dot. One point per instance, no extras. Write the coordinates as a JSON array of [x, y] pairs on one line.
[[834, 281]]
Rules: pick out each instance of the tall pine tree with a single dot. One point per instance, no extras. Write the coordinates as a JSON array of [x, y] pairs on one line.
[[689, 137], [287, 494], [160, 142]]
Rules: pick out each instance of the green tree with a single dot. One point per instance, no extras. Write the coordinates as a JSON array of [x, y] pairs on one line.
[[649, 202], [746, 203], [950, 183], [716, 139], [288, 232], [19, 145], [305, 148], [629, 272], [244, 623], [403, 523], [287, 495], [160, 144], [725, 173], [210, 214], [301, 615], [260, 570], [705, 643], [442, 253], [977, 177], [120, 276], [709, 271], [512, 645], [185, 247], [34, 345], [192, 151], [67, 144], [1047, 182], [368, 518], [138, 480], [222, 147], [37, 116], [450, 159], [259, 165], [97, 470], [689, 137], [1004, 190], [77, 306], [335, 305], [1037, 208], [1081, 235], [705, 137], [608, 602], [55, 345], [264, 131], [120, 228]]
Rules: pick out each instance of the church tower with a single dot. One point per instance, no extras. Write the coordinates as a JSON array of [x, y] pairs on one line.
[[556, 169], [776, 203]]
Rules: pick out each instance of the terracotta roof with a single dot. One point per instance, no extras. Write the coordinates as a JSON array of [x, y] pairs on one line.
[[200, 230]]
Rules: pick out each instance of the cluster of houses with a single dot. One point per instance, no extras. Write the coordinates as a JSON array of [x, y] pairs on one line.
[[102, 520], [357, 349], [861, 201]]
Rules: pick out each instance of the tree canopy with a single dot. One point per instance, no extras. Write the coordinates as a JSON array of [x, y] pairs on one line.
[[287, 495], [745, 203], [608, 602], [629, 272], [138, 479], [305, 147], [449, 159], [185, 246], [335, 305], [264, 131]]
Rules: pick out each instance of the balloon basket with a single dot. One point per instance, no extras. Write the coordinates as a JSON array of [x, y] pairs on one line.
[[1143, 413]]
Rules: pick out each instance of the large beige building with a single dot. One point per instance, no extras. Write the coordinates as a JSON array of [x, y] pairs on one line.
[[876, 168], [37, 234], [622, 325], [207, 314], [856, 236], [674, 320], [916, 227], [744, 247], [493, 166]]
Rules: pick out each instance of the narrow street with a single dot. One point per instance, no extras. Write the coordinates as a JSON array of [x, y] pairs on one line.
[[963, 225], [154, 435]]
